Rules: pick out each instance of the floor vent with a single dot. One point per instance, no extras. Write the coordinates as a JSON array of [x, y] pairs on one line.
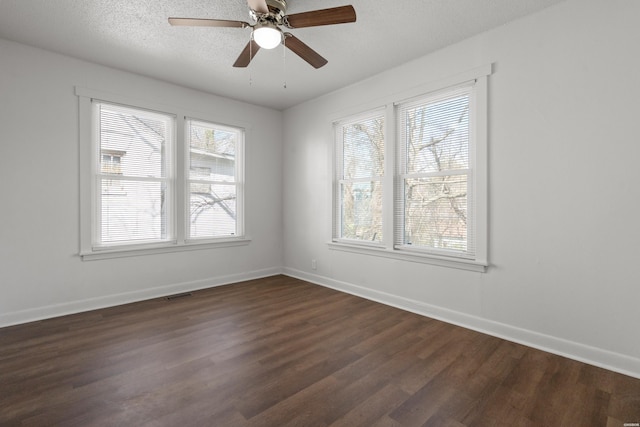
[[178, 296]]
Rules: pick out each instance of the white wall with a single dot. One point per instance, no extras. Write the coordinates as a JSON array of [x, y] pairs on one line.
[[563, 198], [41, 274], [563, 153]]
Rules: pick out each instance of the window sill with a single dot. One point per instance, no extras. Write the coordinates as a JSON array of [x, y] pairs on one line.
[[410, 256], [122, 251]]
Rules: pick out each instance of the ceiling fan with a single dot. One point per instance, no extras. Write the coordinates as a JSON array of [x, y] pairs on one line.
[[269, 16]]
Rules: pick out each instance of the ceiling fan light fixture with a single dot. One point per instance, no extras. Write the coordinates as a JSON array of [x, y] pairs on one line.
[[267, 35]]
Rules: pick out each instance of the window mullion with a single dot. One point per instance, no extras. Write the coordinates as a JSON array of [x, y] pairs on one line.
[[367, 179], [133, 178], [447, 172], [210, 181]]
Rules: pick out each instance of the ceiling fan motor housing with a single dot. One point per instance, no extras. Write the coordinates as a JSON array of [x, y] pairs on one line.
[[277, 12]]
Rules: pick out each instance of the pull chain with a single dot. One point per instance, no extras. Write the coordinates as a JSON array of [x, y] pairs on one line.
[[284, 60], [250, 57]]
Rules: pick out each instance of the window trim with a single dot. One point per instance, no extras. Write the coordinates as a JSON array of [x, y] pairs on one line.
[[479, 170], [410, 256], [87, 156]]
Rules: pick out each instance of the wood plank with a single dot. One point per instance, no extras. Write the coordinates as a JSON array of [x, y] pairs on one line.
[[282, 352]]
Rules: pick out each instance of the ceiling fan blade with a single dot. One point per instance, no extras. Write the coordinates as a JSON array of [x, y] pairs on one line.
[[314, 18], [258, 6], [196, 22], [247, 54], [304, 51]]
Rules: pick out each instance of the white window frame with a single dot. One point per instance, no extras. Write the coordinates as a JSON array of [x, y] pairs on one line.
[[168, 180], [89, 170], [403, 175], [478, 79], [340, 180], [238, 178]]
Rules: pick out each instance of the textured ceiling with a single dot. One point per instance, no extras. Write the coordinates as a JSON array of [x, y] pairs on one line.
[[135, 36]]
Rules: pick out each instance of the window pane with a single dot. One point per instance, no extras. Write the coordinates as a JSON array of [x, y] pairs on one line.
[[133, 142], [110, 164], [132, 149], [436, 212], [438, 135], [212, 210], [363, 148], [132, 211], [212, 152], [362, 211], [213, 171]]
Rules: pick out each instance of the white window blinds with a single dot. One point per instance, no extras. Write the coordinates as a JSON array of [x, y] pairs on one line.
[[360, 170], [214, 180], [434, 203], [133, 194]]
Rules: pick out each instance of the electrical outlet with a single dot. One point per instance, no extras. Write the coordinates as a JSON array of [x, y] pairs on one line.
[[314, 265]]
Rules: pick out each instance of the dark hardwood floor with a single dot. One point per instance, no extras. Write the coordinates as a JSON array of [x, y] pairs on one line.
[[283, 352]]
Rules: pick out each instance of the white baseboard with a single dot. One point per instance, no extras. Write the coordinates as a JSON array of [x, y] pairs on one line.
[[594, 356], [73, 307], [616, 362]]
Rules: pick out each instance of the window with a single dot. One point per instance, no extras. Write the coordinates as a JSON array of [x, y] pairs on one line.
[[137, 197], [360, 143], [432, 207], [137, 211], [213, 180], [434, 201]]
